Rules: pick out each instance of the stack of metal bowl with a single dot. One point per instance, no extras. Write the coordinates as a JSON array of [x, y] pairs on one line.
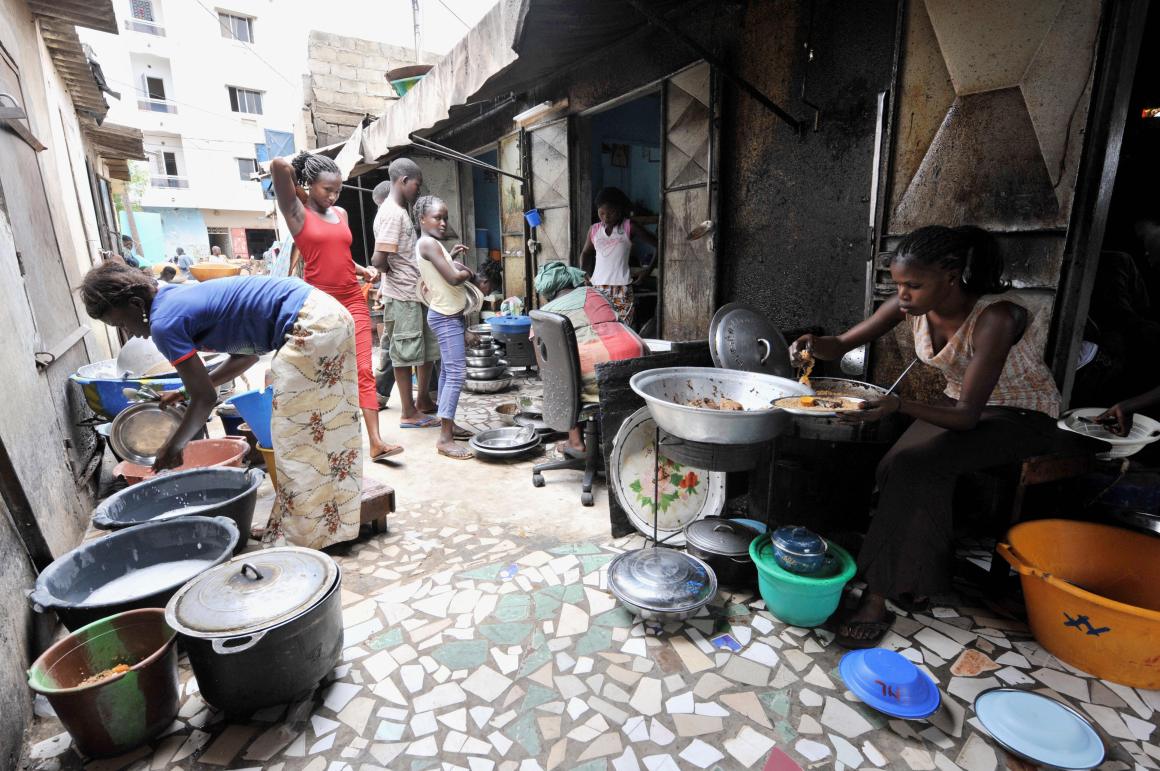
[[487, 373], [504, 443]]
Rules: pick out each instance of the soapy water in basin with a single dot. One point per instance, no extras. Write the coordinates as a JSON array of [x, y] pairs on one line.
[[146, 581]]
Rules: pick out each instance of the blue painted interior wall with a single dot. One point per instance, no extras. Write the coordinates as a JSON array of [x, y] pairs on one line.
[[184, 228], [637, 124], [150, 234], [486, 192]]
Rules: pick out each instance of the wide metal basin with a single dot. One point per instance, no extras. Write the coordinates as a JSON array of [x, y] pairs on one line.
[[668, 392]]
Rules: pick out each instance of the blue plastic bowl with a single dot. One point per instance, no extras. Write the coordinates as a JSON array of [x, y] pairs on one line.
[[107, 398], [890, 683], [256, 407]]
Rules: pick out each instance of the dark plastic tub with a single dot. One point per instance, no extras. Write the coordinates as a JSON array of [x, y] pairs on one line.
[[67, 584], [117, 714], [215, 492]]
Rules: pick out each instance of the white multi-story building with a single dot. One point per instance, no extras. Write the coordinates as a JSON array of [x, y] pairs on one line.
[[215, 86]]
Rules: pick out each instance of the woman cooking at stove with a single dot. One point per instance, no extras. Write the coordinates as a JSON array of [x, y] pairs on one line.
[[317, 444], [1000, 407]]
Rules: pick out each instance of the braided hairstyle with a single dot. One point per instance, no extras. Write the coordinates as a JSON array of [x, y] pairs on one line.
[[308, 167], [972, 251], [423, 204], [114, 284]]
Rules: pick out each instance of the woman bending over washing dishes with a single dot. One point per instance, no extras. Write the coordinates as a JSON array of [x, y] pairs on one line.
[[600, 335], [606, 251], [1000, 407], [317, 446], [307, 188], [442, 281]]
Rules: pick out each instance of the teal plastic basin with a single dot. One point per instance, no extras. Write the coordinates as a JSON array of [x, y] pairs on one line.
[[798, 600]]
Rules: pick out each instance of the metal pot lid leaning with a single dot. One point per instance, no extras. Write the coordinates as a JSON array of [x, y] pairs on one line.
[[252, 592], [741, 338], [798, 540], [720, 536], [141, 429], [661, 579]]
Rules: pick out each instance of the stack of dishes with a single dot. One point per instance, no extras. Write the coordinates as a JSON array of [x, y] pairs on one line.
[[486, 372], [504, 443]]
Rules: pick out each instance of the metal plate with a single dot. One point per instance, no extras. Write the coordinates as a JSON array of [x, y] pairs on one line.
[[1039, 729], [506, 438], [694, 495], [741, 338], [140, 430], [534, 422], [503, 454]]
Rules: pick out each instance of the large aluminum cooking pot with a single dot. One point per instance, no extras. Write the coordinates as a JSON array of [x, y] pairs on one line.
[[829, 428], [668, 392], [261, 629]]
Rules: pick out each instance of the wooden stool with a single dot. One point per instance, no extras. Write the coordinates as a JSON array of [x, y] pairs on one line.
[[378, 500], [1039, 470]]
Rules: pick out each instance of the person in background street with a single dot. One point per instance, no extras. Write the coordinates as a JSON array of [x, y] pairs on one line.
[[307, 188], [184, 261], [215, 253], [129, 252], [410, 341], [600, 335], [385, 379], [317, 447], [168, 273], [607, 248], [1000, 407], [444, 279]]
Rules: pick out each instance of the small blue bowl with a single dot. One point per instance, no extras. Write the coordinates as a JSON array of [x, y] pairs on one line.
[[890, 683]]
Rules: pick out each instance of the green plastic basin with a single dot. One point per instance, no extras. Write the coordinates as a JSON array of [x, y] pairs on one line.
[[799, 600]]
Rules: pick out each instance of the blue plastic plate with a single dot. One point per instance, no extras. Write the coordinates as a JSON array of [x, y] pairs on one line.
[[1039, 729], [890, 683]]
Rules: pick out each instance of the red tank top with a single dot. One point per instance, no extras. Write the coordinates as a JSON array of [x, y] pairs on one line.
[[325, 248]]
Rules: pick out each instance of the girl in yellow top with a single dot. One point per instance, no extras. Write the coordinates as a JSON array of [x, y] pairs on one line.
[[443, 278]]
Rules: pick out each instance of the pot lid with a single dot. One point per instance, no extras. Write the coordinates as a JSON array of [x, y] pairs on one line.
[[142, 429], [725, 537], [661, 579], [799, 540], [252, 592], [741, 338]]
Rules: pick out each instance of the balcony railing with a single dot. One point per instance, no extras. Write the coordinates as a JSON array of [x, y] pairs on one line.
[[155, 105], [148, 27], [168, 180]]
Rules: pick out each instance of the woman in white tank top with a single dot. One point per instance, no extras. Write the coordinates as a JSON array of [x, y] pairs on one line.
[[606, 252]]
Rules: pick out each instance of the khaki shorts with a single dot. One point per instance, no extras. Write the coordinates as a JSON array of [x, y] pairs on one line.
[[406, 336]]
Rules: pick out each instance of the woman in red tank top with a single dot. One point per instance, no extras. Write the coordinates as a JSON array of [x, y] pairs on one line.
[[307, 188]]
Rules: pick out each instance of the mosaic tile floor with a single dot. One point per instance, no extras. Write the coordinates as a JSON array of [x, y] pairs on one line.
[[469, 646]]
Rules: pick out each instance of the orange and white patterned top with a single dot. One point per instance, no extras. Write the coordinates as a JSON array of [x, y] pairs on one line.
[[1025, 382]]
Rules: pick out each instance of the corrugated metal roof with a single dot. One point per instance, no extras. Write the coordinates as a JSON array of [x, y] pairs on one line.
[[94, 14], [70, 60]]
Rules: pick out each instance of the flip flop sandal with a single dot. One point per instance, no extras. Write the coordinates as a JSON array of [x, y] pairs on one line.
[[570, 452], [458, 453], [462, 433], [388, 454], [878, 631], [426, 422]]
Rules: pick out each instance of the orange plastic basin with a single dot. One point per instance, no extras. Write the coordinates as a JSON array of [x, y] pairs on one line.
[[1093, 596], [207, 271], [199, 453]]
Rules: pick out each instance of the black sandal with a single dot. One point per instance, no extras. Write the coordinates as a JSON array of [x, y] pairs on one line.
[[878, 629]]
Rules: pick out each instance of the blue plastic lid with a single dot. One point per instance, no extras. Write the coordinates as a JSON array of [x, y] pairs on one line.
[[509, 323], [1039, 729], [890, 683]]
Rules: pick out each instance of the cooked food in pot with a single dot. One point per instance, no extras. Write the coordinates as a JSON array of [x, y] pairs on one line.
[[822, 402], [724, 403]]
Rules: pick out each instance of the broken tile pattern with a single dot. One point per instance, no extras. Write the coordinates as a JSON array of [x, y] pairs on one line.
[[470, 647]]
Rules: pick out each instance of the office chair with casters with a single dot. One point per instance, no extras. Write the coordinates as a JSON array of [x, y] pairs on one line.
[[555, 340]]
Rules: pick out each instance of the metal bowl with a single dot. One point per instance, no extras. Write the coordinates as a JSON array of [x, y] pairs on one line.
[[486, 386], [668, 392], [507, 413], [141, 429], [486, 350], [830, 428], [483, 330], [481, 362], [506, 438], [486, 373], [661, 584]]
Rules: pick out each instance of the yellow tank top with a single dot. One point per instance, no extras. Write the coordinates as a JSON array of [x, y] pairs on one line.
[[1025, 382], [440, 296]]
